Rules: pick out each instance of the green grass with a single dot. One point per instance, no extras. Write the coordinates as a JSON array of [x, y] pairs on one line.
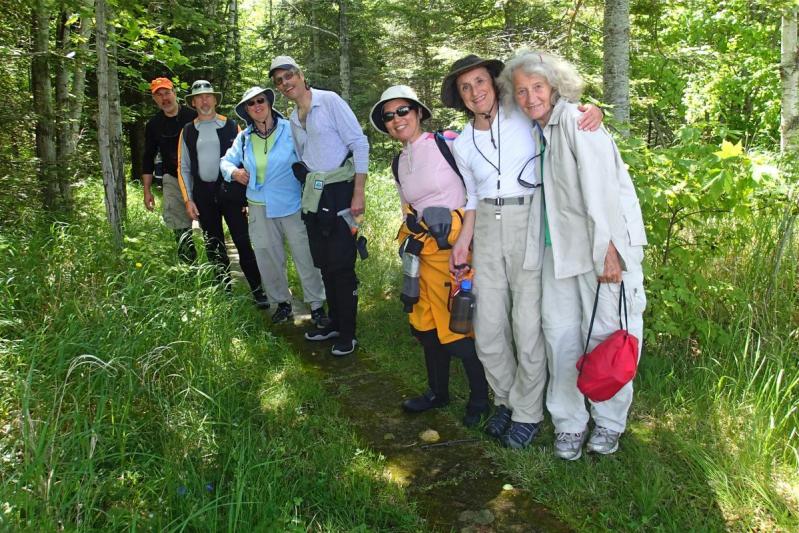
[[135, 394]]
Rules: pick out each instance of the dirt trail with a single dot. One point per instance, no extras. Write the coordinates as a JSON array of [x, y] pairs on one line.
[[453, 482]]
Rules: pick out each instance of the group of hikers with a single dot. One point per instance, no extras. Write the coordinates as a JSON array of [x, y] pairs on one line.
[[538, 208]]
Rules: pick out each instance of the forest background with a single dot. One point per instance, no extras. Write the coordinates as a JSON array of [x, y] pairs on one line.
[[710, 141]]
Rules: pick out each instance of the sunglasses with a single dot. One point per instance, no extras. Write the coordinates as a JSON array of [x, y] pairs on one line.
[[388, 116], [278, 80], [256, 101], [526, 184], [203, 85]]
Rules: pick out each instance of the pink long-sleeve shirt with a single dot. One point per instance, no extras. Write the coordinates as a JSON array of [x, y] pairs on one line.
[[425, 177]]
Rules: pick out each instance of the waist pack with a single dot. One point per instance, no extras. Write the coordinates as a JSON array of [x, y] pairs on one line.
[[613, 363]]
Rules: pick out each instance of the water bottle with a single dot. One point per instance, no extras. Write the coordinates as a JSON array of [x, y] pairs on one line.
[[409, 252], [460, 319]]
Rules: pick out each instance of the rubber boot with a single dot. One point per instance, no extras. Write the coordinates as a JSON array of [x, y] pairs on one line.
[[187, 252], [437, 364], [478, 406]]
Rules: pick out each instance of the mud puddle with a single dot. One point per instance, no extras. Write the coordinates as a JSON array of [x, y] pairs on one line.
[[452, 481]]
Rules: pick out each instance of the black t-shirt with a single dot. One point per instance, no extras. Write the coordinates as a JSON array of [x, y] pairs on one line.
[[161, 135]]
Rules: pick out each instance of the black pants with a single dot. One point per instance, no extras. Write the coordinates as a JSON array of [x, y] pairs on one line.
[[333, 251], [437, 357], [212, 209]]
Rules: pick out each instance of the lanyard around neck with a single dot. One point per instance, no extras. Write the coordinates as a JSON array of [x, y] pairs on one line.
[[497, 146]]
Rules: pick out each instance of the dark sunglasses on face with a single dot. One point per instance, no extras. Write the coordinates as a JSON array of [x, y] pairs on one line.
[[388, 116], [256, 101], [278, 80]]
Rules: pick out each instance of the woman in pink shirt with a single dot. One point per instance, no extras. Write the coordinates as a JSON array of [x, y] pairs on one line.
[[433, 196]]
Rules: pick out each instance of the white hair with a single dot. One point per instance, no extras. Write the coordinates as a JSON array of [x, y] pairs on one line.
[[558, 72]]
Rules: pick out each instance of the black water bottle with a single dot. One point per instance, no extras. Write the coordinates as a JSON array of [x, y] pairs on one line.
[[460, 319]]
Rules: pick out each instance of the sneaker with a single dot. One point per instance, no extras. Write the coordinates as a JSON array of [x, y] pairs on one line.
[[321, 334], [423, 403], [603, 440], [283, 314], [520, 435], [499, 422], [569, 446], [319, 318], [261, 301], [340, 349]]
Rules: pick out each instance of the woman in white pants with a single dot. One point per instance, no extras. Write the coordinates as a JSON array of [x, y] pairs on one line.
[[594, 233]]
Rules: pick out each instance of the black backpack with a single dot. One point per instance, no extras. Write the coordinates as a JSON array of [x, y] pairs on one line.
[[443, 147]]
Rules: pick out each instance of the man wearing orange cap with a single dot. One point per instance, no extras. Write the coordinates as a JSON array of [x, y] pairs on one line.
[[161, 135]]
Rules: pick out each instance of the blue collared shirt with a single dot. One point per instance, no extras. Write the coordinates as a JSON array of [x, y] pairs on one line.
[[331, 131]]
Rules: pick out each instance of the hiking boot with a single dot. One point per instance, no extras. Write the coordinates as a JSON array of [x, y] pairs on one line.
[[319, 318], [569, 446], [261, 301], [520, 435], [340, 349], [283, 314], [423, 403], [499, 422], [317, 335], [475, 415], [603, 440]]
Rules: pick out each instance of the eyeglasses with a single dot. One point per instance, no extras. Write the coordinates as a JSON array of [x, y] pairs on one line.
[[388, 116], [256, 101], [288, 76], [526, 184], [201, 85]]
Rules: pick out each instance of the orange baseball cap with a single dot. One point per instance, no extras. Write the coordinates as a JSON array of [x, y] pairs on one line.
[[160, 83]]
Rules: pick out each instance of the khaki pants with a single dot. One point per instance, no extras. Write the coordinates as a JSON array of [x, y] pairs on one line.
[[174, 210], [508, 312], [267, 236], [566, 315]]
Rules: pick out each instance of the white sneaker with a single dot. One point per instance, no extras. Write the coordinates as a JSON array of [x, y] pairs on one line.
[[569, 446], [603, 440]]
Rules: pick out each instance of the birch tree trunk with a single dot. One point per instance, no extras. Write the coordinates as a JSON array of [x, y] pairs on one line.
[[789, 77], [616, 60], [316, 57], [107, 146], [43, 104], [344, 51]]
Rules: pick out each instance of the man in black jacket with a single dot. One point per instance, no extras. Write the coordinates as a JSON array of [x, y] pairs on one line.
[[208, 198], [161, 135]]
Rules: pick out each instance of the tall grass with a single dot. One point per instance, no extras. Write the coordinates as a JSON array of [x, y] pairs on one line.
[[136, 394]]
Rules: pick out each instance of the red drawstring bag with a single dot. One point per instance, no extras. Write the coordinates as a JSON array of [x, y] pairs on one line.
[[609, 366]]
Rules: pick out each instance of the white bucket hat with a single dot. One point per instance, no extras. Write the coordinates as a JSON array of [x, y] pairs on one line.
[[252, 92], [202, 87], [392, 93]]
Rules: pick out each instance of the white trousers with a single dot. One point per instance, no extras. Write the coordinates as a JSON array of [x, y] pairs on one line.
[[566, 314], [267, 236], [508, 312]]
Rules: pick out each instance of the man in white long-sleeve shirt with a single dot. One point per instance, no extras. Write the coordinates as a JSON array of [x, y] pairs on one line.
[[328, 140]]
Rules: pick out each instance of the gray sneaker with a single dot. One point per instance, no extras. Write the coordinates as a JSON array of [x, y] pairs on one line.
[[569, 446], [603, 440]]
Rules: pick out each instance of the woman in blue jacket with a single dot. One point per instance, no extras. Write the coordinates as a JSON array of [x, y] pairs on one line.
[[261, 159]]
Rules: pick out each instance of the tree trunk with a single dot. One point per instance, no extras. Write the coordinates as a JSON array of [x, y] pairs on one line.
[[789, 76], [107, 147], [344, 51], [316, 57], [45, 115], [616, 60]]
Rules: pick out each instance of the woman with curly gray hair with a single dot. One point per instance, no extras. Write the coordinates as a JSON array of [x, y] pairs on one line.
[[593, 233]]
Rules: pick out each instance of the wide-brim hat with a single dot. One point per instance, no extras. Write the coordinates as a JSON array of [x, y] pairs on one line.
[[202, 87], [252, 92], [449, 92], [393, 93]]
